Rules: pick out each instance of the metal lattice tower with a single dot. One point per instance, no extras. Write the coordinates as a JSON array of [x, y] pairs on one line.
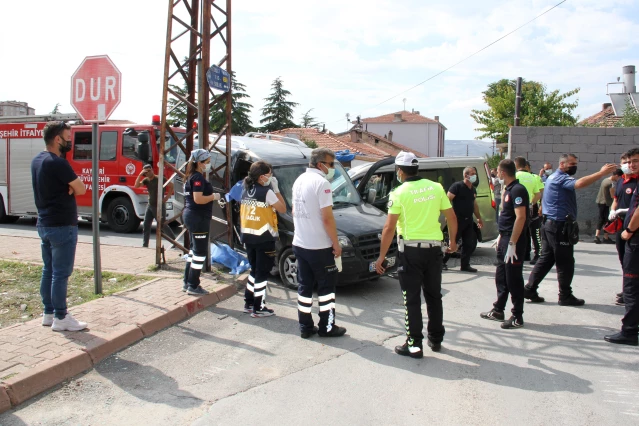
[[195, 30]]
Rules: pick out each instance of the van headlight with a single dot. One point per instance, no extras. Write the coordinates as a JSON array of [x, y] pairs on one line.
[[344, 241], [169, 206]]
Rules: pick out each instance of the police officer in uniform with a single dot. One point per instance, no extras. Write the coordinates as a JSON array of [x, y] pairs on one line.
[[463, 197], [559, 205], [534, 186], [511, 248], [413, 210], [261, 198], [630, 321]]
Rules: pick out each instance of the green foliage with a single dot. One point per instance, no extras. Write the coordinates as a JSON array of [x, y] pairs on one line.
[[538, 108], [493, 160], [278, 112], [240, 111], [310, 143], [308, 121], [56, 109], [630, 116]]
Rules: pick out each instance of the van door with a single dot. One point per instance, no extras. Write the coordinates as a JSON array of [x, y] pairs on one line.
[[365, 184]]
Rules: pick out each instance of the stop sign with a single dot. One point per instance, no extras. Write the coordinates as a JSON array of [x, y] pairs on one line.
[[96, 89]]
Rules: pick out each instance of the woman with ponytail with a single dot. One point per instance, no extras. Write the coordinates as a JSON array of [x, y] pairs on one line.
[[198, 209], [261, 198]]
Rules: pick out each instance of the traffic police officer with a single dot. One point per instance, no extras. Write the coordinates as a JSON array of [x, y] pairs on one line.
[[630, 321], [560, 204], [511, 247], [414, 209], [534, 186]]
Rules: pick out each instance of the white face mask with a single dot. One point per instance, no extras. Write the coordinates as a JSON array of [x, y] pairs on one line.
[[625, 168], [207, 168], [548, 172], [472, 178], [267, 182], [330, 173]]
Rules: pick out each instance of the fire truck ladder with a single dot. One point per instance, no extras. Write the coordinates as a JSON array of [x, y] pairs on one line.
[[39, 118], [208, 26]]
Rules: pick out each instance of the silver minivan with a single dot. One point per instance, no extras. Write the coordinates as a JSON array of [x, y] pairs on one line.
[[375, 181]]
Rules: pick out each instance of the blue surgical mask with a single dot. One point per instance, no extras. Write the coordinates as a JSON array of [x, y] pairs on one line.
[[548, 172], [472, 178]]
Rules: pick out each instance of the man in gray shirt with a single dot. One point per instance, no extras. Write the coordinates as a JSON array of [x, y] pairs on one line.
[[604, 201], [150, 180]]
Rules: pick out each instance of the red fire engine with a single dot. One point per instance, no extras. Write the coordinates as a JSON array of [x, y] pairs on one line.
[[124, 149]]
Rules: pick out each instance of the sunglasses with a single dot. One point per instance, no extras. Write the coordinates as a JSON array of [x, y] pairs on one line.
[[330, 164]]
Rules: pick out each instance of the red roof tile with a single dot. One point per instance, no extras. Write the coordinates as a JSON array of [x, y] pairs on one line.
[[407, 117], [331, 141], [604, 118]]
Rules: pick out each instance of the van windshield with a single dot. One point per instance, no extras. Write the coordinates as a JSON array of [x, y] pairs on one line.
[[344, 193]]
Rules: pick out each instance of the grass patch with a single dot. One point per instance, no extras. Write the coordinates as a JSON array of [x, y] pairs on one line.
[[20, 290]]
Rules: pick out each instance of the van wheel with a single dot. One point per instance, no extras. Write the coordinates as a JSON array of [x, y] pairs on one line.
[[4, 217], [288, 269], [121, 216]]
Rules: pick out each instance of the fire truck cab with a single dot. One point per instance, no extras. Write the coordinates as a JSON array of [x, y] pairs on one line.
[[124, 149]]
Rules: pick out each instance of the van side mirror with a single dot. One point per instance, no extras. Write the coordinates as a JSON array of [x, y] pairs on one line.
[[370, 197]]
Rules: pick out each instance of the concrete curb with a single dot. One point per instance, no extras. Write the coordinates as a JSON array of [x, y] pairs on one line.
[[20, 388]]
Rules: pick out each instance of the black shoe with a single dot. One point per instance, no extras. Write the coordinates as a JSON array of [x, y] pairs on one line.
[[493, 315], [468, 269], [263, 313], [185, 287], [435, 347], [248, 309], [411, 351], [308, 333], [620, 294], [199, 291], [571, 301], [597, 240], [336, 331], [608, 241], [444, 267], [532, 295], [622, 339], [512, 322], [534, 260], [620, 301], [145, 245]]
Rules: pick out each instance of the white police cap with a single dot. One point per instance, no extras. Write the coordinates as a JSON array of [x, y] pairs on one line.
[[406, 159]]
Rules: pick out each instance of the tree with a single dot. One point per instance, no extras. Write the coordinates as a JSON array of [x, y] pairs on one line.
[[310, 143], [240, 111], [538, 108], [494, 160], [308, 121], [56, 109], [278, 112], [630, 116]]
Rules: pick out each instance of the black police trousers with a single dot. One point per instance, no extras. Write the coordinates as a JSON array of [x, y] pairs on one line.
[[533, 236], [466, 231], [630, 321], [621, 246], [316, 266], [198, 226], [509, 277], [420, 269], [261, 257], [555, 251]]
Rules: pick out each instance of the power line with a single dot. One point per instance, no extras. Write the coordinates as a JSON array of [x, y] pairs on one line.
[[470, 56]]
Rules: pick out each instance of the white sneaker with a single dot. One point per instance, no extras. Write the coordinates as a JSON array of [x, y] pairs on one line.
[[47, 320], [68, 324]]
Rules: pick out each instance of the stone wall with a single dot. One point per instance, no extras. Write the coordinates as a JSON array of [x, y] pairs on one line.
[[594, 147]]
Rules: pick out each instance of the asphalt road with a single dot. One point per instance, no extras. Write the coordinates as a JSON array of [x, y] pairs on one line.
[[223, 367]]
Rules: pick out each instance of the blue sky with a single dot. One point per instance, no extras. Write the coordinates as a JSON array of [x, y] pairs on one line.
[[336, 57]]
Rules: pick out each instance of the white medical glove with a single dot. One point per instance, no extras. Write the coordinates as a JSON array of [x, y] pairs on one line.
[[612, 215], [510, 254], [275, 185], [497, 243]]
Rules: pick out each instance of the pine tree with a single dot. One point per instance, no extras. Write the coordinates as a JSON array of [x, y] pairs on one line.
[[278, 112], [240, 111], [56, 109], [308, 121]]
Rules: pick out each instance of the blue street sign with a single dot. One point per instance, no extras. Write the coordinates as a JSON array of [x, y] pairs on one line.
[[218, 78]]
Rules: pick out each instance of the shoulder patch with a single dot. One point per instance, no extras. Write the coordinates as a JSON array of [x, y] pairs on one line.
[[327, 191], [197, 183], [507, 197], [389, 204], [518, 200], [628, 191]]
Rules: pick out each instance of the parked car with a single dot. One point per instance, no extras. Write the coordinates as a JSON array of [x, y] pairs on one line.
[[359, 225], [375, 181]]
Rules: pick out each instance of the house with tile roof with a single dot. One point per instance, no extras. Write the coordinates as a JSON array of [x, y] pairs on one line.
[[357, 136], [604, 118], [411, 129]]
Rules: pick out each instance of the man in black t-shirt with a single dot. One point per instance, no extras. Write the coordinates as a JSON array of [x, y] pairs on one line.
[[511, 249], [55, 186], [150, 180], [463, 197]]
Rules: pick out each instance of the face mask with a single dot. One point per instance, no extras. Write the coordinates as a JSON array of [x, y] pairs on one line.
[[472, 178], [268, 181], [548, 172], [625, 169], [501, 181], [330, 174], [571, 170], [399, 179], [207, 168], [64, 148]]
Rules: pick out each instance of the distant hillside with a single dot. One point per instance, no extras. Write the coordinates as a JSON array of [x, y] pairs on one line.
[[475, 148]]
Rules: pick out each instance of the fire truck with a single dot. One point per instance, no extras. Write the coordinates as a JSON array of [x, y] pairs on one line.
[[124, 149]]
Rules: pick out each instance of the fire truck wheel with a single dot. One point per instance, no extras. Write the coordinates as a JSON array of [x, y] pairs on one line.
[[4, 217], [121, 216]]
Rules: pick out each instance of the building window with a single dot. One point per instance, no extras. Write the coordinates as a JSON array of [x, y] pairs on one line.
[[376, 141]]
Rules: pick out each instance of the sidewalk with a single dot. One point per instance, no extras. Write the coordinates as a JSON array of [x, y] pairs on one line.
[[34, 358]]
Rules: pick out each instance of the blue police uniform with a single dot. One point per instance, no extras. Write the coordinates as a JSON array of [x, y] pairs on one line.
[[630, 321], [559, 202]]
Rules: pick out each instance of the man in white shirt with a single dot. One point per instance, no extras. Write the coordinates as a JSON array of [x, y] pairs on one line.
[[315, 244]]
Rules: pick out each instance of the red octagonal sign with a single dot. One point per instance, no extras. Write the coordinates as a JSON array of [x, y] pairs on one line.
[[96, 89]]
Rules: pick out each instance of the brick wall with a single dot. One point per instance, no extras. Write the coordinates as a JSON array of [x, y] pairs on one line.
[[594, 147]]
